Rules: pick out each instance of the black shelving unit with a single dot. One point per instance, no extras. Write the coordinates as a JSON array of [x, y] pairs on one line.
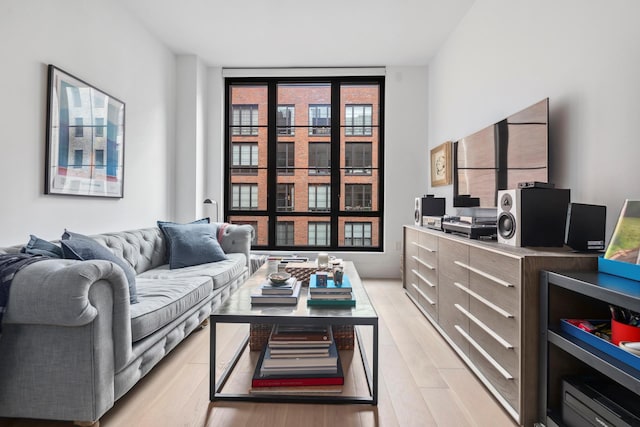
[[584, 295]]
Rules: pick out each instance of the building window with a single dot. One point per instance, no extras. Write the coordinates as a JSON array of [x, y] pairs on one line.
[[319, 197], [320, 119], [357, 158], [244, 159], [284, 197], [99, 126], [319, 158], [79, 129], [286, 158], [77, 158], [244, 120], [285, 120], [244, 196], [357, 197], [357, 234], [358, 120], [99, 160], [284, 233], [319, 234]]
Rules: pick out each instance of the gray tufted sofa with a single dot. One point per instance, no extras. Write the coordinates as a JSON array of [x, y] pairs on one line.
[[71, 343]]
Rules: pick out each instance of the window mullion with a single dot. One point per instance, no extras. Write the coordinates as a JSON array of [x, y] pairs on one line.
[[336, 133]]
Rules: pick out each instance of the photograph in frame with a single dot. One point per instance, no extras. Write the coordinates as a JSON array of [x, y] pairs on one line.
[[85, 139]]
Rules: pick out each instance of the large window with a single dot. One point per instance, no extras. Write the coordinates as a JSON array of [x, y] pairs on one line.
[[303, 161]]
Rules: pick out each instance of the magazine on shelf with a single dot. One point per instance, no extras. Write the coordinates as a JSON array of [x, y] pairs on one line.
[[259, 298], [314, 389], [625, 241]]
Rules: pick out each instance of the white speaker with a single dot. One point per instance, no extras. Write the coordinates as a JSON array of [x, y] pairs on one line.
[[508, 217], [418, 211], [532, 216]]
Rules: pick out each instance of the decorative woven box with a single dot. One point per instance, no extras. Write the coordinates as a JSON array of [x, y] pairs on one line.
[[303, 270], [343, 336], [259, 335]]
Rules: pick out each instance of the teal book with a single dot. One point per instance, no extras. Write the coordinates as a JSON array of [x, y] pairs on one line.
[[317, 300]]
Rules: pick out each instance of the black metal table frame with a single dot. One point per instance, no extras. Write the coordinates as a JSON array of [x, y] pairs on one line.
[[371, 372]]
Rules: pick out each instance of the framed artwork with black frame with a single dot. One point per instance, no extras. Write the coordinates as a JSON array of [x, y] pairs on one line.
[[441, 165], [85, 139]]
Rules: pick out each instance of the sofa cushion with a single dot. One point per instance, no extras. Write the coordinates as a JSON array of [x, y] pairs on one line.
[[220, 272], [192, 244], [81, 247], [161, 301], [38, 246]]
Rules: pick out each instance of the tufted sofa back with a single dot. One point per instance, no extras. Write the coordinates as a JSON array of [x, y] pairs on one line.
[[143, 248]]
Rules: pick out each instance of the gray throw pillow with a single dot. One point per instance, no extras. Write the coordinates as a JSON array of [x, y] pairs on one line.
[[38, 246], [162, 224], [81, 247], [192, 244]]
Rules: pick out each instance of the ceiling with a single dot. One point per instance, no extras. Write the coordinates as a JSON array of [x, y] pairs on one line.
[[301, 33]]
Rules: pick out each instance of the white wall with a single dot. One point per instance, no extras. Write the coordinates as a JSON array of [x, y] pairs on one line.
[[583, 55], [100, 43]]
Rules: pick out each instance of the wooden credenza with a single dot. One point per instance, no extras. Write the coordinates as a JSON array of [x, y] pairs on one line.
[[483, 297]]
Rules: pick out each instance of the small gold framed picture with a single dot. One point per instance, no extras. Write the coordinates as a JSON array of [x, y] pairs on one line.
[[441, 165]]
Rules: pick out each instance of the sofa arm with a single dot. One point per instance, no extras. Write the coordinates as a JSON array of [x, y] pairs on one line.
[[237, 238], [59, 292]]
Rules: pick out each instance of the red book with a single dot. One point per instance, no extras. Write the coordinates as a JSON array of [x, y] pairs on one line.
[[295, 380]]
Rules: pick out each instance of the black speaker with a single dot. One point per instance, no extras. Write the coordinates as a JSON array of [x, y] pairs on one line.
[[532, 216], [586, 226]]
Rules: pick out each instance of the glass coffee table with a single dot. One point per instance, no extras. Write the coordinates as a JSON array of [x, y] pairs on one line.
[[238, 309]]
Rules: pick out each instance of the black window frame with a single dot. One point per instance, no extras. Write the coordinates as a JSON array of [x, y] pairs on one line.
[[337, 215]]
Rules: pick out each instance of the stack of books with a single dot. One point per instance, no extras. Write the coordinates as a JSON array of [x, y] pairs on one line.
[[330, 294], [302, 357], [269, 293]]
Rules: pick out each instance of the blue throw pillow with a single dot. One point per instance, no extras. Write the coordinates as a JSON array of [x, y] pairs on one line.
[[38, 246], [81, 247], [162, 224], [192, 244]]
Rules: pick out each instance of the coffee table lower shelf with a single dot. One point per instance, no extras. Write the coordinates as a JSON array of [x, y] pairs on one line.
[[370, 372]]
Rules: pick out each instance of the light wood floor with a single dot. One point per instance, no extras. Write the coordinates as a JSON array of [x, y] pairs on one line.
[[422, 383]]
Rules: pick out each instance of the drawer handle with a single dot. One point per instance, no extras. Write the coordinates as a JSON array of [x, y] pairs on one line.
[[424, 279], [487, 356], [483, 274], [424, 247], [485, 301], [485, 328], [417, 289], [429, 266]]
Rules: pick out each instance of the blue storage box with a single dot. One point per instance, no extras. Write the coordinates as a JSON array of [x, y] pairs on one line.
[[619, 268], [601, 344]]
